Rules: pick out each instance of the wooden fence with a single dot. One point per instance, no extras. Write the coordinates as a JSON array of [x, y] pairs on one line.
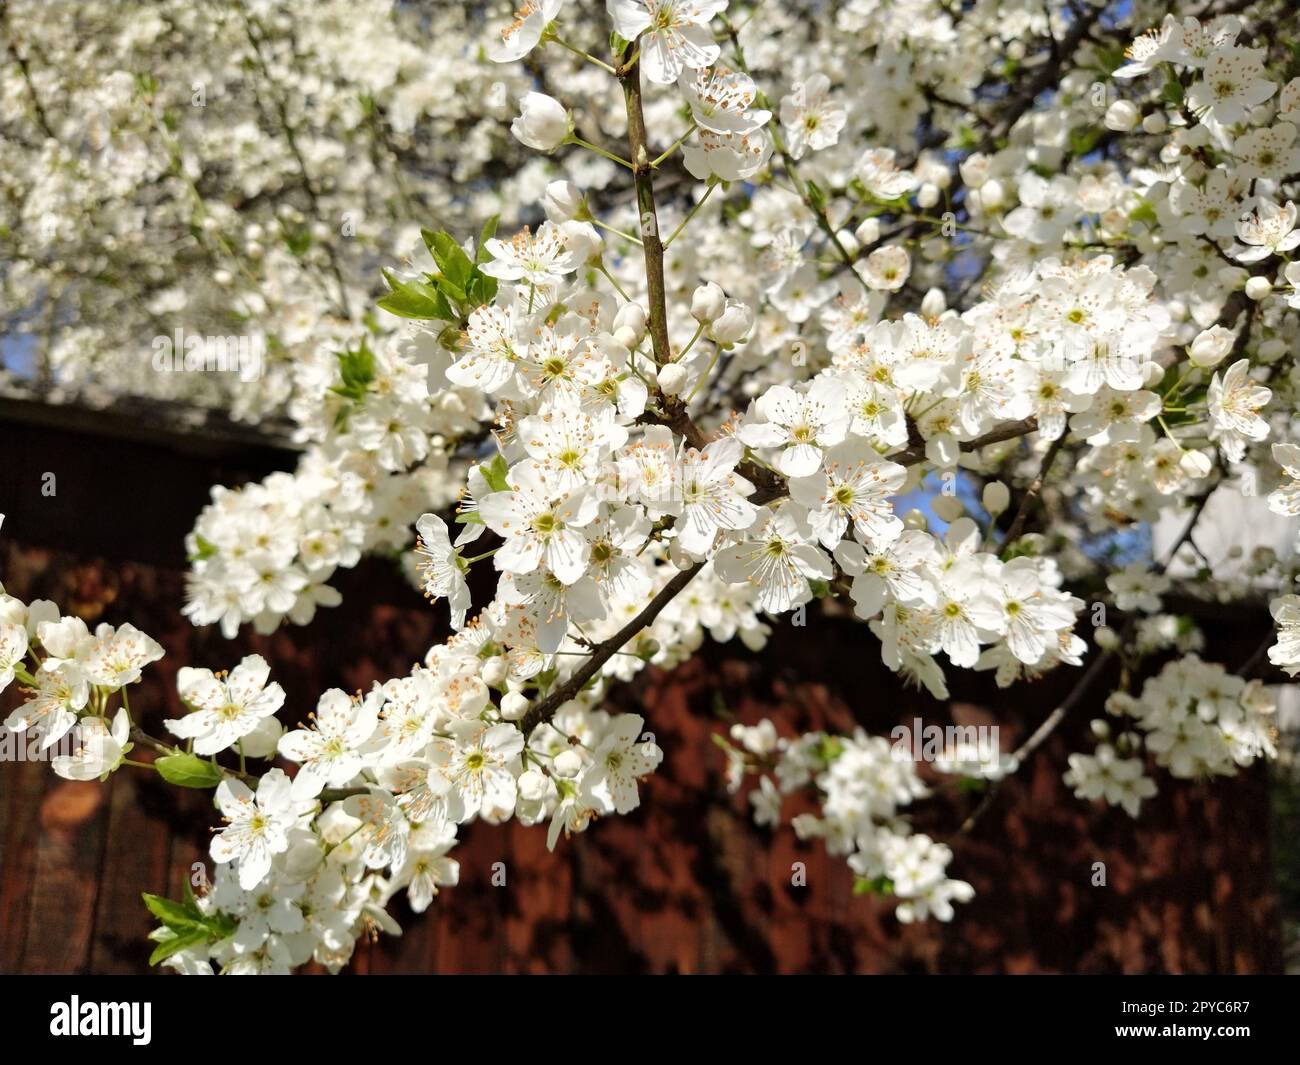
[[686, 883]]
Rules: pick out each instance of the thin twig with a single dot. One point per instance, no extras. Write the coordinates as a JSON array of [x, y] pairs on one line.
[[1031, 493], [1039, 736]]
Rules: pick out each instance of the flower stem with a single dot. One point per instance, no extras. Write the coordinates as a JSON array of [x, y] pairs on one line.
[[579, 52], [575, 139], [675, 145], [617, 232], [691, 214]]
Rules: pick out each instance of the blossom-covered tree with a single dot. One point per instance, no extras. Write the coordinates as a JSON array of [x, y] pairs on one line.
[[923, 309]]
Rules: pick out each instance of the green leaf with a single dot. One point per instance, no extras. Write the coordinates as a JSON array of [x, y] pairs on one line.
[[1172, 91], [178, 942], [831, 748], [1084, 138], [495, 473], [205, 549], [1110, 57], [487, 233], [453, 263], [356, 371], [414, 299], [187, 771], [298, 241], [172, 914], [1145, 214]]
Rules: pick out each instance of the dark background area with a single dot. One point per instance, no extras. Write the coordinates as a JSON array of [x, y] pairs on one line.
[[684, 884]]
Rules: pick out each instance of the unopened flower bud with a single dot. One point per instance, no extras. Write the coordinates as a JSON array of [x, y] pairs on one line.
[[1272, 349], [568, 763], [631, 316], [996, 497], [627, 337], [1211, 346], [543, 123], [949, 508], [495, 671], [563, 201], [1122, 116], [868, 232], [532, 786], [708, 303], [992, 194], [671, 378], [1258, 287], [1195, 463], [974, 170], [262, 741], [1152, 374], [734, 324], [934, 303], [514, 705]]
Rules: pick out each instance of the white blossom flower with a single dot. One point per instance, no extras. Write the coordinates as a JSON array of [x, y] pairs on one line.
[[855, 486], [541, 523], [99, 751], [224, 709], [329, 754], [442, 567], [674, 34], [1271, 230], [13, 649], [713, 495], [475, 770], [801, 424], [1234, 404], [622, 758], [524, 33], [811, 118], [257, 825], [777, 560]]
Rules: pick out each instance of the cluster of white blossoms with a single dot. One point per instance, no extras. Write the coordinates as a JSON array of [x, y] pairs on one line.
[[68, 675], [862, 783], [380, 456], [1195, 718], [786, 311]]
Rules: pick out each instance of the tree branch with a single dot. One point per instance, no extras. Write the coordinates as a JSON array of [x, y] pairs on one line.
[[1031, 493], [1039, 736]]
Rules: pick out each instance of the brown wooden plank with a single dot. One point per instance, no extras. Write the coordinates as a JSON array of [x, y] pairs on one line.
[[21, 785], [137, 859], [69, 861]]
